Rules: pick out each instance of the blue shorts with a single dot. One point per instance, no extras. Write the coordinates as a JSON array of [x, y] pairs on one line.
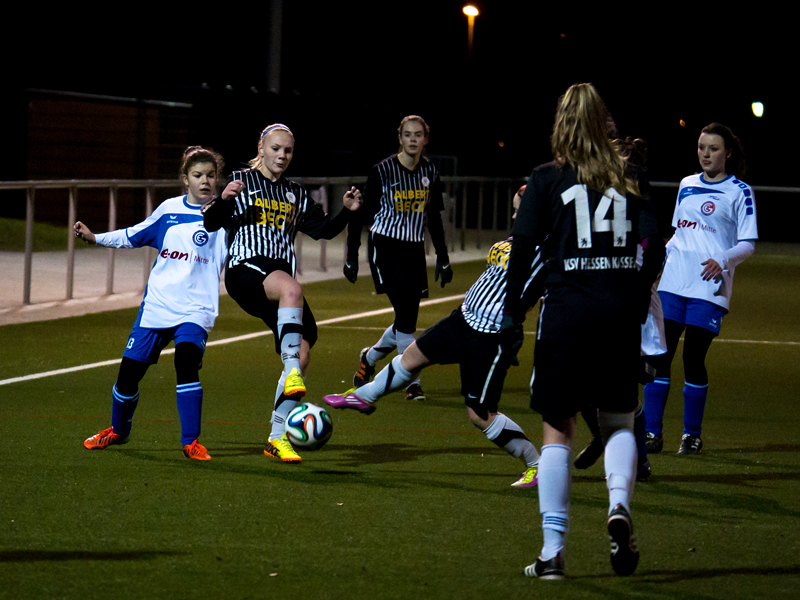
[[145, 345], [691, 311]]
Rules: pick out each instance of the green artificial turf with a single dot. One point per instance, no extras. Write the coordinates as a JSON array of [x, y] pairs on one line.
[[410, 502], [45, 237]]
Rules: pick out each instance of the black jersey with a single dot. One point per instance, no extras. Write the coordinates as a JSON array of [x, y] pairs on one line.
[[264, 219], [590, 242], [399, 203]]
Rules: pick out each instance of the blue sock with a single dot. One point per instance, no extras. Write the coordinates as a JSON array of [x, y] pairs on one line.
[[122, 409], [655, 399], [639, 431], [190, 409], [694, 403]]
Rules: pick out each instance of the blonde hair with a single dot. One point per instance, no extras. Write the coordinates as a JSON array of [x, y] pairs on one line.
[[256, 163], [580, 138]]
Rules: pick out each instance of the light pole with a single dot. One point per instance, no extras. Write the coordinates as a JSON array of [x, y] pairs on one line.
[[471, 13]]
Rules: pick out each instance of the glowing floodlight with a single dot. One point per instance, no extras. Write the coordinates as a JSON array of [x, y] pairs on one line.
[[758, 109]]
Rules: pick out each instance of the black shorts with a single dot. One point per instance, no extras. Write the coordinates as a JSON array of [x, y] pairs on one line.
[[451, 341], [572, 374], [245, 284], [397, 265]]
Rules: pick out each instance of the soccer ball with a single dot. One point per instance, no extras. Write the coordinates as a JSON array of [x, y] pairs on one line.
[[309, 426]]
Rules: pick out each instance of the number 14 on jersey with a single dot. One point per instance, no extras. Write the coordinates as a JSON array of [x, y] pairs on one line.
[[619, 224]]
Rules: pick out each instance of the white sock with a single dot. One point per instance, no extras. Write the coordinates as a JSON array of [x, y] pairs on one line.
[[555, 479], [620, 463], [510, 437], [385, 345], [392, 377], [283, 406]]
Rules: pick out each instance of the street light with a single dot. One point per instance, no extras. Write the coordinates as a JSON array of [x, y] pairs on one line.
[[471, 13]]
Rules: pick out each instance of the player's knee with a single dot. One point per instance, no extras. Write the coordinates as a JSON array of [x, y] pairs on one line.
[[611, 422], [480, 417], [188, 361]]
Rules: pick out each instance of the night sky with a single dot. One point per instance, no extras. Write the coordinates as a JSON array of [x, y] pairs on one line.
[[349, 75]]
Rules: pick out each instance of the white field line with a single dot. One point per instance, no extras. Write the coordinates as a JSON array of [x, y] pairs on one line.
[[238, 338], [250, 336]]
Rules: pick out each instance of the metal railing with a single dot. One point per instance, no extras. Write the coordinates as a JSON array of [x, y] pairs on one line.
[[484, 200]]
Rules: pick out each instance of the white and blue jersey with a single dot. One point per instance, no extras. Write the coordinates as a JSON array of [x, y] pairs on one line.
[[709, 219], [184, 283]]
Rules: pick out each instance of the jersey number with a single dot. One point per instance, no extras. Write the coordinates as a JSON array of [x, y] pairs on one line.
[[584, 222]]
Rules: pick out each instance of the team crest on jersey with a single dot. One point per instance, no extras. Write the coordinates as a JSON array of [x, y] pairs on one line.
[[708, 208], [426, 181], [200, 237], [291, 197]]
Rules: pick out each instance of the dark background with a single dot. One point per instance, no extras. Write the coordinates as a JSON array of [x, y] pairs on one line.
[[349, 74]]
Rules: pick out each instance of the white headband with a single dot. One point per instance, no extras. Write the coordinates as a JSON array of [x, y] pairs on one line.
[[276, 127]]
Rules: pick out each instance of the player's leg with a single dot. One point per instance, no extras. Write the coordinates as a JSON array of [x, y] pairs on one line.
[[406, 312], [620, 465], [482, 378], [695, 348], [190, 342], [143, 349], [555, 483], [284, 290], [398, 374], [657, 391]]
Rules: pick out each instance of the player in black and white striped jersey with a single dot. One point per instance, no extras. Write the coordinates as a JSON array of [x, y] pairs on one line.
[[262, 222], [468, 336], [403, 195]]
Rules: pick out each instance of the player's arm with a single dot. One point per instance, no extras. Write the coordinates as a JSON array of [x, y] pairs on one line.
[[141, 234], [219, 212], [436, 229]]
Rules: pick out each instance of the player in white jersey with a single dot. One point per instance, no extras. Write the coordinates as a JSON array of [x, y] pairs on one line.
[[180, 303], [469, 337], [403, 195], [263, 217], [715, 230]]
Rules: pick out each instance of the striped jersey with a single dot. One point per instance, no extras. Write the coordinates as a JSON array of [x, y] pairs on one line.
[[399, 198], [183, 286], [267, 216], [483, 305]]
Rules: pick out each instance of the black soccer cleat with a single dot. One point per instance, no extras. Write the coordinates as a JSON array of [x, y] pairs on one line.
[[644, 471], [654, 443], [590, 455], [690, 444], [365, 370], [624, 553], [552, 569], [414, 392]]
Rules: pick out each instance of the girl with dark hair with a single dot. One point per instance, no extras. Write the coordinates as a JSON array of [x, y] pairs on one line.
[[715, 230], [180, 304], [589, 214]]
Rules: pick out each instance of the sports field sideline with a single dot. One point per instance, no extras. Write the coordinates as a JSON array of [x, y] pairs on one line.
[[411, 501]]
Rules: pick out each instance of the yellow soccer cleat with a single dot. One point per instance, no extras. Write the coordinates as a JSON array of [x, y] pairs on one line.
[[294, 386], [282, 448]]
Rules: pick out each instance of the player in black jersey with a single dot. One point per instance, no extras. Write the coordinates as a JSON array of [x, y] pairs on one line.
[[590, 216], [262, 220], [469, 337], [403, 194]]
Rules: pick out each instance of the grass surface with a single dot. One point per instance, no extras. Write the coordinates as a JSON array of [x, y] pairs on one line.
[[45, 237], [410, 502]]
